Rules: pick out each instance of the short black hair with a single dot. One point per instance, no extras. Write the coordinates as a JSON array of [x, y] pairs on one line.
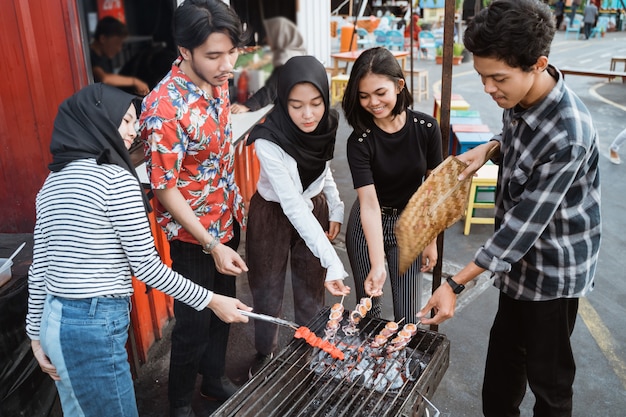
[[379, 61], [517, 32], [195, 20], [109, 26]]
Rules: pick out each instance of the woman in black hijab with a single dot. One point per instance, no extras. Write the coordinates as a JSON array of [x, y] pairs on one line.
[[91, 235], [296, 210]]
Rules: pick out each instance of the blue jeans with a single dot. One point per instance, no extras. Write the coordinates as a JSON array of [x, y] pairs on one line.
[[86, 341]]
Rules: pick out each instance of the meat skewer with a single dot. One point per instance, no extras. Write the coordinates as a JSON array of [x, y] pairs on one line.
[[359, 312], [302, 332]]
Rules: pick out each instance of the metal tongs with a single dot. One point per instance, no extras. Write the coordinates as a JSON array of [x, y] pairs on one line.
[[270, 319]]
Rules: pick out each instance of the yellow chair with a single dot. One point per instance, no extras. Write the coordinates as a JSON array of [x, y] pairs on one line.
[[337, 87], [483, 183]]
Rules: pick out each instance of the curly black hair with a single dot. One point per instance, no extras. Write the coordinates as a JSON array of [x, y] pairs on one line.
[[517, 32]]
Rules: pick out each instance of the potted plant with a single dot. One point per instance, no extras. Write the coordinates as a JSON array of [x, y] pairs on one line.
[[457, 53]]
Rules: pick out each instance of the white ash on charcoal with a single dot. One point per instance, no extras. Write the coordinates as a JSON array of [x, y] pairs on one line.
[[373, 368]]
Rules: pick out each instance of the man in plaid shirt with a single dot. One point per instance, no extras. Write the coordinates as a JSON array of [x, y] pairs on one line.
[[544, 250]]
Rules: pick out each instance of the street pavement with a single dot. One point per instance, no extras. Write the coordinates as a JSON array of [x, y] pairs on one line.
[[599, 339]]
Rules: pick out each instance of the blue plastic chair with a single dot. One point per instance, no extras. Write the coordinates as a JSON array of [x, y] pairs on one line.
[[600, 27], [395, 38], [380, 37], [428, 44], [574, 28], [364, 40]]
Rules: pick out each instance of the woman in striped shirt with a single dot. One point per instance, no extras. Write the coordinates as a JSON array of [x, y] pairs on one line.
[[91, 235]]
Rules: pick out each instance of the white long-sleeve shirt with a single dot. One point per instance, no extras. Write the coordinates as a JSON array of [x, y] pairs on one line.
[[279, 181], [91, 236]]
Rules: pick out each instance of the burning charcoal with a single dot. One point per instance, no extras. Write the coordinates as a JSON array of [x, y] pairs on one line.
[[380, 383], [413, 369], [393, 372]]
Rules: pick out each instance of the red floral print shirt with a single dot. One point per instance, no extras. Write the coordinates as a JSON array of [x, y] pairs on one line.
[[188, 144]]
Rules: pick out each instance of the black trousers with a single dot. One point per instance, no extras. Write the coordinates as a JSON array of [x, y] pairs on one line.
[[530, 343], [199, 338], [271, 240]]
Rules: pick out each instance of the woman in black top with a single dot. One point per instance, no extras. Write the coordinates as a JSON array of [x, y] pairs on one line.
[[390, 152]]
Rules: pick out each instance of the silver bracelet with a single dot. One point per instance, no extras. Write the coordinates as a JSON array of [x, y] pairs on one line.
[[208, 248]]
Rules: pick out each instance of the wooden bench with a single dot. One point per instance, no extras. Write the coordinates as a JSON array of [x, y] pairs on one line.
[[594, 73]]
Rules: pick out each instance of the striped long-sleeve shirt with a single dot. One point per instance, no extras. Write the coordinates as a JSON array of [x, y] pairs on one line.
[[91, 235], [548, 201]]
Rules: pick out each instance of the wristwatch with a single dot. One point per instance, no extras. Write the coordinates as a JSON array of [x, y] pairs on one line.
[[456, 288]]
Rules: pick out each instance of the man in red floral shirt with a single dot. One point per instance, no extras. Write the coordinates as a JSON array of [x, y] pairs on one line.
[[186, 127]]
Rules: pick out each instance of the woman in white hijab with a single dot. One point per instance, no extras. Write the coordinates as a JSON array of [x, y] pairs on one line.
[[286, 42]]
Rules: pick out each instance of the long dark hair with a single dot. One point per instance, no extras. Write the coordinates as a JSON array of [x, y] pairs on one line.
[[379, 61]]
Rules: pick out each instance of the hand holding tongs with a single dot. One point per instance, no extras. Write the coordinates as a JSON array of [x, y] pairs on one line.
[[270, 319]]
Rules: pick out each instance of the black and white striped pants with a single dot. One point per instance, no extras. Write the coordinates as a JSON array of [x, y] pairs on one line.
[[405, 289]]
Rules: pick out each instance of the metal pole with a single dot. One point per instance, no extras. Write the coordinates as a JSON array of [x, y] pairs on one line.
[[444, 118], [411, 29]]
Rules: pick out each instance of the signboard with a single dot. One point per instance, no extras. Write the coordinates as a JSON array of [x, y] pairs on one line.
[[113, 8]]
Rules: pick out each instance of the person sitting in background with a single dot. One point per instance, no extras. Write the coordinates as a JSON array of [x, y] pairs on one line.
[[107, 43], [285, 41]]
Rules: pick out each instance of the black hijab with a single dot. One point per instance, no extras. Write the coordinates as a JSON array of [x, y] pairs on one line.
[[86, 126], [310, 150]]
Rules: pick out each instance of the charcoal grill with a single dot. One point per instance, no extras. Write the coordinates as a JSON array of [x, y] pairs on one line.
[[303, 381]]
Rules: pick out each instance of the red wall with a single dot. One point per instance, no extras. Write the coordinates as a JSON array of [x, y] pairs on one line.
[[42, 64]]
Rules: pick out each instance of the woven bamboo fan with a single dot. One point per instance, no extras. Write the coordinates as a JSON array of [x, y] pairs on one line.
[[436, 205]]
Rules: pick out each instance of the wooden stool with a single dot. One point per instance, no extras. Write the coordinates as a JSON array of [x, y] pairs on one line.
[[616, 59], [420, 85], [465, 113], [337, 87], [464, 141], [484, 182], [456, 103], [460, 143]]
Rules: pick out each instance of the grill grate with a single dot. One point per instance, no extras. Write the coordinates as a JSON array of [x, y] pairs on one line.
[[295, 384]]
